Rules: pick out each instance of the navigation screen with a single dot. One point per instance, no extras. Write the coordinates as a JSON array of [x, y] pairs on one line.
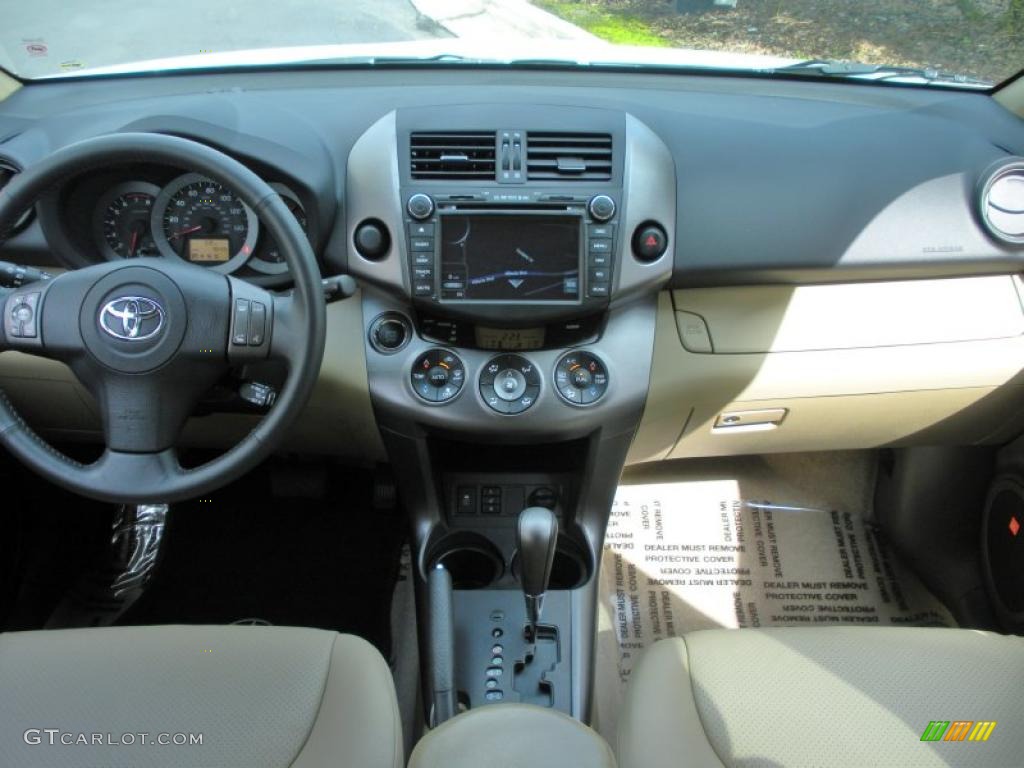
[[486, 257]]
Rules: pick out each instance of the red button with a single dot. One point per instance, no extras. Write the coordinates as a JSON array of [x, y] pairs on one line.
[[1014, 526]]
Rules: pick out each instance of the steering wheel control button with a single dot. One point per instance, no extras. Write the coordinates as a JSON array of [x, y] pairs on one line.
[[420, 206], [22, 315], [240, 323], [581, 378], [601, 207], [389, 333], [509, 384], [437, 376], [257, 324], [649, 242]]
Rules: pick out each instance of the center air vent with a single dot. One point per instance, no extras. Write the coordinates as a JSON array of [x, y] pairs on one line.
[[1002, 203], [569, 156], [452, 155]]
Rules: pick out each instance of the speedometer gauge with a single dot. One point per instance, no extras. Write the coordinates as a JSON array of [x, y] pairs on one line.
[[121, 222], [204, 222]]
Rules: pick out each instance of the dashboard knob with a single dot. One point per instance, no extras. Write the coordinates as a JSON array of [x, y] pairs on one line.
[[649, 242], [372, 240], [601, 207], [581, 378], [420, 206], [390, 332]]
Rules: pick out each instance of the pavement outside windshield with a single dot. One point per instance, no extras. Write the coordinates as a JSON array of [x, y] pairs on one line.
[[47, 36]]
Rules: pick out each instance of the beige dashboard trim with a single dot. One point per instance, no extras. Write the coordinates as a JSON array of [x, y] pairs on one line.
[[8, 85], [856, 315], [966, 391], [1012, 97]]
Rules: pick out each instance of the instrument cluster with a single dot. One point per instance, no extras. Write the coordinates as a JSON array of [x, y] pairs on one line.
[[186, 216]]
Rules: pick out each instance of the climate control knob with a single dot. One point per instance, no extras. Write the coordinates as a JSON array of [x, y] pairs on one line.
[[438, 375], [509, 384], [581, 378], [420, 206]]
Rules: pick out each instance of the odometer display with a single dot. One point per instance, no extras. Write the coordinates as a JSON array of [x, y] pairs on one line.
[[194, 209]]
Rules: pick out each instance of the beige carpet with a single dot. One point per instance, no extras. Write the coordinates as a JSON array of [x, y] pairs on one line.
[[748, 542]]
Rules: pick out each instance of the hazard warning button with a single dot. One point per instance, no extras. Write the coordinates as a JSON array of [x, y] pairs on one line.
[[649, 242]]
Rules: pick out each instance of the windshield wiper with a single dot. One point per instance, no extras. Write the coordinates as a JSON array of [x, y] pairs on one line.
[[834, 68]]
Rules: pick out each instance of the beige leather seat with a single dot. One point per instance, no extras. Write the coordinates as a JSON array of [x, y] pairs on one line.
[[510, 736], [824, 697], [259, 697]]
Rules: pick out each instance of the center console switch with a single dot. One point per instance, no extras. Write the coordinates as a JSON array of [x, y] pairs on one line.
[[438, 375], [509, 384]]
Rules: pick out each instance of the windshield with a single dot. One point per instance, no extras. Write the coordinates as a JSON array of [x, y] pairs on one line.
[[960, 43]]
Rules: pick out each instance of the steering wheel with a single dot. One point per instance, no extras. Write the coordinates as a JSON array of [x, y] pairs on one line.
[[148, 336]]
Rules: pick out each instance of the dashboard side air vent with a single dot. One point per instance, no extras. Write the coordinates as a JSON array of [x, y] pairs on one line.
[[1002, 202], [569, 156], [7, 172], [452, 155]]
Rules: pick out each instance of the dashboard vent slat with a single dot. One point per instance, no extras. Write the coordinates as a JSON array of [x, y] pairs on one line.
[[569, 156], [452, 155]]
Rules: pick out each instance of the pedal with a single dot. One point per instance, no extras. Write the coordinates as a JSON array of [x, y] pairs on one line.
[[106, 592]]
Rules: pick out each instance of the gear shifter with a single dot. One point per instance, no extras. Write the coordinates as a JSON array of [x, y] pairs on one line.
[[536, 536]]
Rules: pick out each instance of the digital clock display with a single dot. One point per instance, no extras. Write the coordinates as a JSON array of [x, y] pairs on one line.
[[508, 338]]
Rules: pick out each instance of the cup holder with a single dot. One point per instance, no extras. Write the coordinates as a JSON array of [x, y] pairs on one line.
[[570, 568], [472, 561]]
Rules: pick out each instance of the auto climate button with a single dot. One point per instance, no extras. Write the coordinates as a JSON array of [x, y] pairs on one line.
[[509, 384], [438, 375]]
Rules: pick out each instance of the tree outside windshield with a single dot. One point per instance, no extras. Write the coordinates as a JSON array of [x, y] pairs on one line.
[[978, 38]]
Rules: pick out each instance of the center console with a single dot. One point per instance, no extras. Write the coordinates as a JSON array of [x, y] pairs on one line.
[[509, 289]]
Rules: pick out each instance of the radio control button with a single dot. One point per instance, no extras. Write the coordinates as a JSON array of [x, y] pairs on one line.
[[599, 259], [423, 289], [421, 229], [601, 245], [601, 207], [599, 275], [421, 244], [420, 259], [598, 290], [601, 230], [420, 206]]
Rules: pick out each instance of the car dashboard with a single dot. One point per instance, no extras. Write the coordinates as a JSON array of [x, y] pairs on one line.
[[560, 274], [713, 265]]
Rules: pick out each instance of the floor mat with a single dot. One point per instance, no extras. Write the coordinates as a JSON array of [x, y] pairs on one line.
[[753, 542], [247, 555]]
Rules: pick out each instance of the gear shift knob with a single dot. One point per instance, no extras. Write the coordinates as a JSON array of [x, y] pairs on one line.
[[536, 536]]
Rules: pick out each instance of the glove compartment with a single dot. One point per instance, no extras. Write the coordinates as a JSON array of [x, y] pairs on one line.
[[763, 369]]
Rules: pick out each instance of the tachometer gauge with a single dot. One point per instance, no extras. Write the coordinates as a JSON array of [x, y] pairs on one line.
[[121, 222], [268, 258], [205, 223]]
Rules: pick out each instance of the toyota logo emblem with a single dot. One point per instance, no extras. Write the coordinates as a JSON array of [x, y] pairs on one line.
[[132, 318]]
